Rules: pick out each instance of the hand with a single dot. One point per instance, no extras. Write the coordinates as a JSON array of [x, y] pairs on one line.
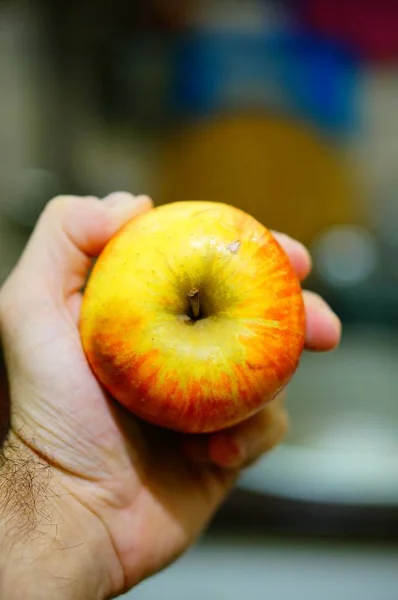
[[113, 499]]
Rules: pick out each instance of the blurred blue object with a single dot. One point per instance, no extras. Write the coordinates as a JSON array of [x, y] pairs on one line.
[[291, 72]]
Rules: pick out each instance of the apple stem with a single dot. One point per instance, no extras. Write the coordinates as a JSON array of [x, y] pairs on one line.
[[193, 296]]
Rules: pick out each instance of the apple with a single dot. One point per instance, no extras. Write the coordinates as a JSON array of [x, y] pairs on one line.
[[193, 317]]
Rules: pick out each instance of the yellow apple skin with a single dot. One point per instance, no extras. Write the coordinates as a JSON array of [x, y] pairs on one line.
[[193, 376]]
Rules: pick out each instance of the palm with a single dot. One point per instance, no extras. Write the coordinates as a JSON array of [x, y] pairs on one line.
[[117, 466]]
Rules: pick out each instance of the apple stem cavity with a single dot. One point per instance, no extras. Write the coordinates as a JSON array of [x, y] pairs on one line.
[[194, 301]]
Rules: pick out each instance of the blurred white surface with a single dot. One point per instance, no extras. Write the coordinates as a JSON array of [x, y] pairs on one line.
[[234, 569], [343, 442]]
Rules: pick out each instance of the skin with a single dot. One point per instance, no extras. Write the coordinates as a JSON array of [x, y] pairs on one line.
[[193, 376], [91, 500]]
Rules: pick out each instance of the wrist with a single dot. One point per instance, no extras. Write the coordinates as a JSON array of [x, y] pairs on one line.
[[50, 544]]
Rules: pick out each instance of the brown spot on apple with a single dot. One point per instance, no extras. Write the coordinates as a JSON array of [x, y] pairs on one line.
[[234, 247]]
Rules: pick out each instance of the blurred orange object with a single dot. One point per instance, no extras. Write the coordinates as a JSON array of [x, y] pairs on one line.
[[278, 170]]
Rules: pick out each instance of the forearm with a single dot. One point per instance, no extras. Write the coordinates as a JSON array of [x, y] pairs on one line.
[[44, 552]]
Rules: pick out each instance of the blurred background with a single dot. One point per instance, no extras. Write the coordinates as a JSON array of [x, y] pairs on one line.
[[286, 109]]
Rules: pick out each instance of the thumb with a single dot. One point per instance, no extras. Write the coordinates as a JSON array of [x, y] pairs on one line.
[[69, 233]]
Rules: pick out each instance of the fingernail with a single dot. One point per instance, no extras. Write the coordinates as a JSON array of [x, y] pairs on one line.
[[122, 198], [226, 451], [124, 206]]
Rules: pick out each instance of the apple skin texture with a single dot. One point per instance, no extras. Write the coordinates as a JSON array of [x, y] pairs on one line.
[[139, 334]]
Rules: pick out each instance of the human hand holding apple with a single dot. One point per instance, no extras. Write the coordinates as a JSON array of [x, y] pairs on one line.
[[104, 500]]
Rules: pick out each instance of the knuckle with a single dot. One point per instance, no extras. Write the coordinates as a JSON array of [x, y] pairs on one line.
[[56, 208], [63, 204], [59, 203]]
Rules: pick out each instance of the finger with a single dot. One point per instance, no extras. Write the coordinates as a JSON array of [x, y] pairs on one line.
[[323, 327], [298, 255], [241, 445], [70, 231]]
